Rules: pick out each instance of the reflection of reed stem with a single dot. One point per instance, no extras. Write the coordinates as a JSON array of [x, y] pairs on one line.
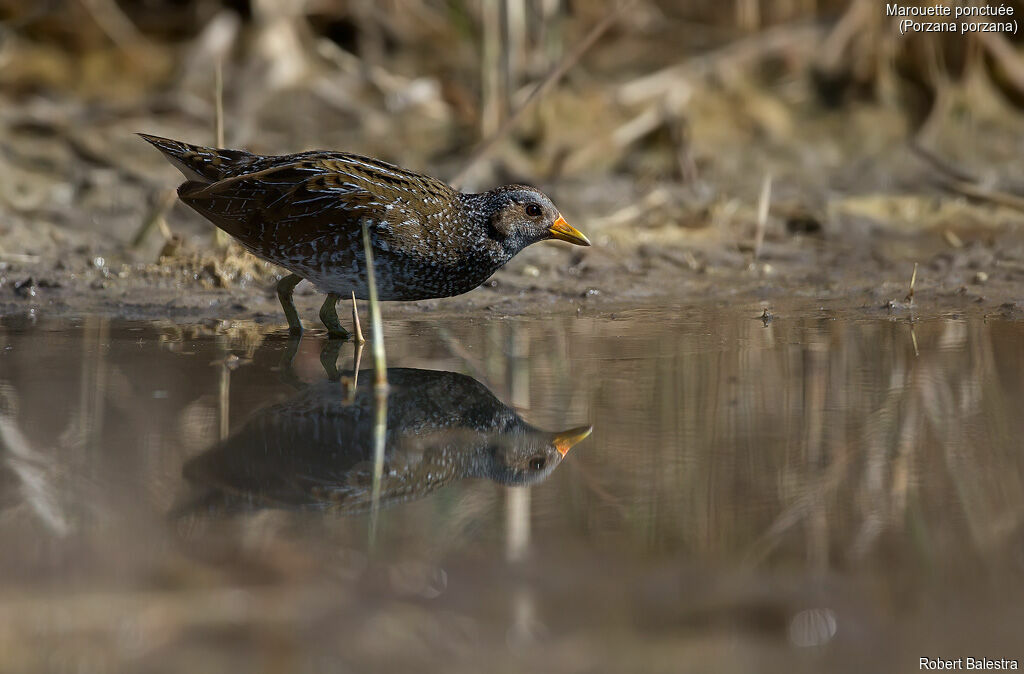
[[380, 429], [223, 386], [380, 388], [358, 346], [517, 499], [35, 471], [519, 368], [517, 523], [97, 391], [225, 398]]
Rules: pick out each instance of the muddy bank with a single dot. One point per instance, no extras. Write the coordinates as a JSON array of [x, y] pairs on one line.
[[804, 271]]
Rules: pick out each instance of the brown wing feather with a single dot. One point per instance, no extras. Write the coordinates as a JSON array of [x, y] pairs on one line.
[[275, 210]]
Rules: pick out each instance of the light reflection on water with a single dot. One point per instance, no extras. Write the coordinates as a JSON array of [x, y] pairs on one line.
[[814, 493]]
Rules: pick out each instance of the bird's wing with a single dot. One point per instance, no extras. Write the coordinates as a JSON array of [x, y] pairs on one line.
[[312, 197]]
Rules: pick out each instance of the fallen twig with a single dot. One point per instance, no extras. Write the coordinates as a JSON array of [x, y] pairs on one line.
[[976, 191], [958, 180], [732, 56], [943, 165]]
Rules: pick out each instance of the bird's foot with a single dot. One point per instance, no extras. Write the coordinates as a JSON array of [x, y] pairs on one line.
[[329, 316]]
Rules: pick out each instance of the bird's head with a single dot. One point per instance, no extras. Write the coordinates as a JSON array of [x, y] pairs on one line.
[[518, 215], [527, 458]]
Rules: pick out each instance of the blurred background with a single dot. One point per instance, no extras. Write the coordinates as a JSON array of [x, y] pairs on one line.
[[801, 459], [662, 128]]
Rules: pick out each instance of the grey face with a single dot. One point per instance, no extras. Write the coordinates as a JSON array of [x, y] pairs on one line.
[[522, 459], [524, 216]]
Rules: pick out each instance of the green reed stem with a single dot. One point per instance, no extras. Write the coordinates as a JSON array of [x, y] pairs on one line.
[[379, 360]]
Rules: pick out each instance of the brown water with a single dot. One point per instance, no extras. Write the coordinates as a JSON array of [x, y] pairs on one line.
[[824, 492]]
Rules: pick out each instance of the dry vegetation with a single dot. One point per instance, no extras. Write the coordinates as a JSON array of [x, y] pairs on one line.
[[654, 124]]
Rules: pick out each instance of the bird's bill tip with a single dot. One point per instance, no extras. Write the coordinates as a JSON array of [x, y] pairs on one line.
[[565, 440], [563, 231]]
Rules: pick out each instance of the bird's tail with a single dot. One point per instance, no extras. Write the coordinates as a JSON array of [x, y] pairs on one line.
[[199, 163]]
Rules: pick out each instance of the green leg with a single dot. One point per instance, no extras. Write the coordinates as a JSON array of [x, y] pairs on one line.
[[329, 315], [285, 288]]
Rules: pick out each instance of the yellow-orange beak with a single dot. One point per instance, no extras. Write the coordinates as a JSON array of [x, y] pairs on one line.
[[564, 231], [565, 440]]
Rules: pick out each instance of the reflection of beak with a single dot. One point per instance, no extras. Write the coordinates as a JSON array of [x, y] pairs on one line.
[[566, 439], [566, 232]]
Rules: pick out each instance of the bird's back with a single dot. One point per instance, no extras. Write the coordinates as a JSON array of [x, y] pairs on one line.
[[199, 163]]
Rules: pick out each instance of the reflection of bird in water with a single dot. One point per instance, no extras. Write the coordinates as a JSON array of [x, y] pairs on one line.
[[316, 450]]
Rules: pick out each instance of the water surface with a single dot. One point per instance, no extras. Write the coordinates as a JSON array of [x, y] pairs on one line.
[[820, 492]]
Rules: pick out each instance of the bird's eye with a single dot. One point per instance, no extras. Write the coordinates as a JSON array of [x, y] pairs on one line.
[[533, 210], [538, 463]]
